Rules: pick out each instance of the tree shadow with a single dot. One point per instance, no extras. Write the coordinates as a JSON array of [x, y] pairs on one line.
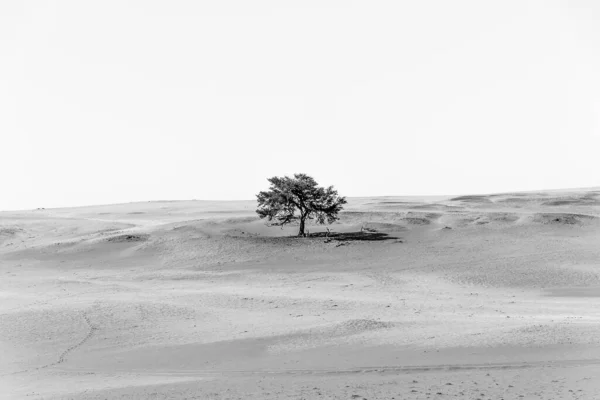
[[361, 236]]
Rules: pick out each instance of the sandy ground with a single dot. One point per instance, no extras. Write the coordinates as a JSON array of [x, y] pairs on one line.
[[475, 297]]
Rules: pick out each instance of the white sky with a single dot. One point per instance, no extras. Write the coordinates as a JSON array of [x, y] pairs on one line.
[[115, 101]]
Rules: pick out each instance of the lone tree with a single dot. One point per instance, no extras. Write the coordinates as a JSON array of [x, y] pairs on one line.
[[298, 199]]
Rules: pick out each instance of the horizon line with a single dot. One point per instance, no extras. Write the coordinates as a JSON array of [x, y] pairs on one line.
[[354, 197]]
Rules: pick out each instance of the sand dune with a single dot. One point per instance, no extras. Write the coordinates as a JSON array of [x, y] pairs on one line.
[[479, 296]]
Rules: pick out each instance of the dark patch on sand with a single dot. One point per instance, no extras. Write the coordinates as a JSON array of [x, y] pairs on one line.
[[472, 198], [382, 226], [518, 200], [128, 238], [368, 236], [417, 220], [589, 201], [10, 231], [563, 218], [593, 291], [241, 220]]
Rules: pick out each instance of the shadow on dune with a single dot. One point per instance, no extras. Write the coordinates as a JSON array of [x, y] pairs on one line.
[[128, 238], [367, 236], [563, 218], [472, 198]]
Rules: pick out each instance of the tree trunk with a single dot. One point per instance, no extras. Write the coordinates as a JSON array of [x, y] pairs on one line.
[[301, 231]]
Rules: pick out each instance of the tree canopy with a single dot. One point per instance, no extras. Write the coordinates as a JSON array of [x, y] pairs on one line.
[[298, 199]]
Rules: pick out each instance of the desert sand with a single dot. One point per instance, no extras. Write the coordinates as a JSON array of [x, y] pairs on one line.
[[471, 297]]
